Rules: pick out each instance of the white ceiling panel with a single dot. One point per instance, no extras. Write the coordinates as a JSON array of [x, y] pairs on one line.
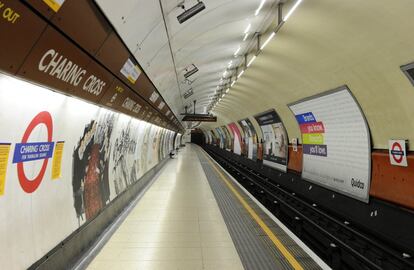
[[208, 40]]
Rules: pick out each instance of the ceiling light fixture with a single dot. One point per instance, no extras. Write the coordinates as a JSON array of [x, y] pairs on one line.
[[295, 6], [240, 74], [190, 70], [232, 84], [251, 60], [259, 8], [227, 90], [248, 28], [246, 36], [189, 13], [272, 35], [237, 51]]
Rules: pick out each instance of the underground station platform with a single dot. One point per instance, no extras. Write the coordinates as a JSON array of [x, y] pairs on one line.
[[206, 134], [194, 215]]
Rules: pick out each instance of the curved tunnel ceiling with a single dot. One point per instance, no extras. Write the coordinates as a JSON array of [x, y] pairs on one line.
[[325, 44], [208, 40]]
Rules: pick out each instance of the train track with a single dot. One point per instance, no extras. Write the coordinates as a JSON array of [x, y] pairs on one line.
[[338, 243]]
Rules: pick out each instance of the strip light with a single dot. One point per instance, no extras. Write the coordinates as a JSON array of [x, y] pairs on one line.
[[227, 90], [240, 74], [295, 6], [251, 60], [272, 35], [259, 8], [248, 28], [246, 36], [237, 51], [232, 84]]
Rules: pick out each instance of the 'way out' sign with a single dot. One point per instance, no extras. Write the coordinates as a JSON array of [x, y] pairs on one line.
[[397, 152]]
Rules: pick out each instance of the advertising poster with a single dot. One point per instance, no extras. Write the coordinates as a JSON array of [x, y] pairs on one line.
[[206, 138], [249, 139], [336, 142], [275, 152], [229, 143], [222, 138], [210, 135], [236, 138], [62, 160]]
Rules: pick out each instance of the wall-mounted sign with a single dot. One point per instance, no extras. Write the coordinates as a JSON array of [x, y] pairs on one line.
[[336, 142], [57, 63], [4, 161], [154, 96], [161, 105], [55, 5], [199, 118], [275, 140], [130, 71], [116, 92], [20, 28], [131, 105], [397, 152]]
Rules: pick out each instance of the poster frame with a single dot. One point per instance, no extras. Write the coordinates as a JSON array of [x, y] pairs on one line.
[[287, 140], [326, 93]]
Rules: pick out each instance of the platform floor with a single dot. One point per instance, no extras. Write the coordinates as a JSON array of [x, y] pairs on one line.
[[176, 225], [179, 224]]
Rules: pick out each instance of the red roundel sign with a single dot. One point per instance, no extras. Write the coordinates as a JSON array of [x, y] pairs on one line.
[[30, 185], [397, 152]]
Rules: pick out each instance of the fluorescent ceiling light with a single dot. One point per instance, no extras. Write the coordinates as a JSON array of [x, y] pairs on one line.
[[246, 36], [251, 61], [248, 28], [232, 84], [240, 74], [259, 8], [237, 51], [227, 90], [295, 6], [268, 40]]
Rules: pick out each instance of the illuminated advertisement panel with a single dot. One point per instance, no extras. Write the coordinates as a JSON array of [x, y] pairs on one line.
[[275, 140], [249, 140], [237, 138]]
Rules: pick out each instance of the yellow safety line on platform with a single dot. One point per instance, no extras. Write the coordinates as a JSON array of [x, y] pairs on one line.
[[291, 259]]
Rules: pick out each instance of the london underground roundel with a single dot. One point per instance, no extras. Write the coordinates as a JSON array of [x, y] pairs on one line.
[[25, 152]]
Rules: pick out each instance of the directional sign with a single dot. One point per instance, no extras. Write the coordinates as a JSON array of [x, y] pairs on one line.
[[397, 152]]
